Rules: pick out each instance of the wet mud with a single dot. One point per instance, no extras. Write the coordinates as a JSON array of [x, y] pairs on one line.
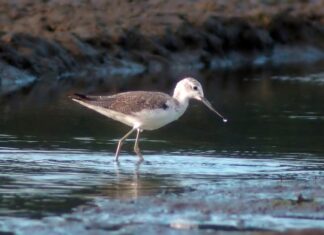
[[223, 194]]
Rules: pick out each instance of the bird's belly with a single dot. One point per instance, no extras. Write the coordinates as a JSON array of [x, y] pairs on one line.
[[154, 119]]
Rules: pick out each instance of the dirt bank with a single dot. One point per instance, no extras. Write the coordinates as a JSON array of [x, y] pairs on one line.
[[55, 38]]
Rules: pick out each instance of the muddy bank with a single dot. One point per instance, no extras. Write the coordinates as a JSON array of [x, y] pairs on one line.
[[50, 39]]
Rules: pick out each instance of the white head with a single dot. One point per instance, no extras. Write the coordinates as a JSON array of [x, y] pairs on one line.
[[190, 88]]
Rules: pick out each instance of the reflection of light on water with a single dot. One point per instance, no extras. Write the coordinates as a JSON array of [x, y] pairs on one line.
[[92, 168], [310, 78], [306, 117], [142, 140], [84, 139], [5, 136]]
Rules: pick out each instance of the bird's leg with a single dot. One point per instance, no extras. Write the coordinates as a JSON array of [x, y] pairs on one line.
[[136, 148], [120, 143]]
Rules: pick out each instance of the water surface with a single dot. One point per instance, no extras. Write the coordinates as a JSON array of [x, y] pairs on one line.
[[57, 158]]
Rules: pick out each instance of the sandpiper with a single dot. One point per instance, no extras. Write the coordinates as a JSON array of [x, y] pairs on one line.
[[146, 110]]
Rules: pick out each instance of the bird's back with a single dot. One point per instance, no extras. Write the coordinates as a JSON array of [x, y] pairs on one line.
[[128, 103]]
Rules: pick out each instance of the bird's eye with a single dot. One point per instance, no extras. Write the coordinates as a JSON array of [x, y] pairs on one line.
[[195, 88]]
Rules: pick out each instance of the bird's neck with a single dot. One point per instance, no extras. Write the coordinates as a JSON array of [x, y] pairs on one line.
[[183, 100]]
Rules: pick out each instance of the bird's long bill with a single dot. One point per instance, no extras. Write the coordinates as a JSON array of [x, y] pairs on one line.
[[208, 104]]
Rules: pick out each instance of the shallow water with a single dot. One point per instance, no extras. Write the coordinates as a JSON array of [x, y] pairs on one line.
[[264, 167]]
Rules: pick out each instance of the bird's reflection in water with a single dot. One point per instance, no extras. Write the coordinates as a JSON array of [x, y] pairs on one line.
[[130, 186], [133, 184]]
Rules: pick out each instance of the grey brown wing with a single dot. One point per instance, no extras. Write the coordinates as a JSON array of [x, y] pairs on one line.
[[128, 102], [133, 102]]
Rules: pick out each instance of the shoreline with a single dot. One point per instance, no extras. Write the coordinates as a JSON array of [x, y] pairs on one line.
[[51, 39]]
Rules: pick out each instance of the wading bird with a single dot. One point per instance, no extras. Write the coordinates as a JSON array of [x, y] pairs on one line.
[[146, 110]]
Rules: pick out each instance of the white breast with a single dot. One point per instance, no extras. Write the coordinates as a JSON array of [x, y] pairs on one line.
[[156, 118]]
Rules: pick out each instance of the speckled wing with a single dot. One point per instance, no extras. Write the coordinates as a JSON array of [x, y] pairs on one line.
[[128, 102]]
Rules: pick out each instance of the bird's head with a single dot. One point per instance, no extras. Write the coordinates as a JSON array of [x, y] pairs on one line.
[[190, 88]]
